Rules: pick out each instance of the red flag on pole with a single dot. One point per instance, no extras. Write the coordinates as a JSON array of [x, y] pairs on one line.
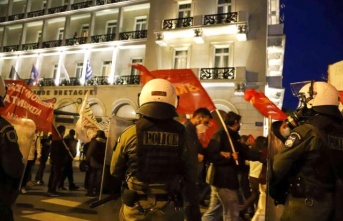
[[264, 105], [189, 89], [21, 102]]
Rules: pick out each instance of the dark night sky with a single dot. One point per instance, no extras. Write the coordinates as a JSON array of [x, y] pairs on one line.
[[314, 39]]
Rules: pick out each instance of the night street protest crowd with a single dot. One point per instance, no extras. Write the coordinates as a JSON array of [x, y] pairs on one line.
[[162, 170]]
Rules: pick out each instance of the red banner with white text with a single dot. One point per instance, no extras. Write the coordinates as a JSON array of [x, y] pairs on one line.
[[21, 102]]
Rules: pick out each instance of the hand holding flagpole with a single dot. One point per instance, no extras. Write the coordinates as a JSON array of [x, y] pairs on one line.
[[227, 133], [64, 144]]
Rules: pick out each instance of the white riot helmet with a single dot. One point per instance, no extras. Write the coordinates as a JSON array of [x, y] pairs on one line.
[[322, 97], [158, 99], [3, 91]]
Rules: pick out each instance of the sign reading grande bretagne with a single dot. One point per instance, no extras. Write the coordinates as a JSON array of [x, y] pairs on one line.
[[66, 92]]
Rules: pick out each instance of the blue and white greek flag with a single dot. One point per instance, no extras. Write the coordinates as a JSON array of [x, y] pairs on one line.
[[89, 71]]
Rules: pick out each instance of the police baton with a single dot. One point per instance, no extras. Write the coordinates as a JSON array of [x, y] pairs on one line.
[[103, 201]]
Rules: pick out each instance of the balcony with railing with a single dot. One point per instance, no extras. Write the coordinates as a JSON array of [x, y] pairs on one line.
[[73, 81], [52, 44], [127, 79], [30, 46], [177, 23], [227, 73], [133, 35], [98, 80], [16, 17], [103, 38], [81, 5], [10, 48], [57, 9], [46, 82], [103, 2], [223, 18], [76, 41], [35, 13]]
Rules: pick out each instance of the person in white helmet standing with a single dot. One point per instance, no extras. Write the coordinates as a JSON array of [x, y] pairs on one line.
[[154, 159], [312, 160]]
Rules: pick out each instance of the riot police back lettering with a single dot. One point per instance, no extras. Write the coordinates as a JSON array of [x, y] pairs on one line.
[[159, 148]]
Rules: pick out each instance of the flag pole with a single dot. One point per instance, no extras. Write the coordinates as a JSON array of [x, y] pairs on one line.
[[226, 131], [64, 144]]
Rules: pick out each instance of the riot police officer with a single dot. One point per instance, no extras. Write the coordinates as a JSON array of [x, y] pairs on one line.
[[312, 160], [154, 160], [11, 163]]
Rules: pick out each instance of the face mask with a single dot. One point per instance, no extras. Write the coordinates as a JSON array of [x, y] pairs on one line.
[[201, 128], [285, 131]]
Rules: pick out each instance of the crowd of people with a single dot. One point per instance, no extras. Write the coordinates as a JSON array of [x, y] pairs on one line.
[[59, 154], [162, 170]]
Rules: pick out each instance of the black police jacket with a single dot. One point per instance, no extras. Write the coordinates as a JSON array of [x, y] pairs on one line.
[[226, 169]]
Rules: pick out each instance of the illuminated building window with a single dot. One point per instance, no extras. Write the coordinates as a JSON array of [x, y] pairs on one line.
[[78, 70], [54, 71], [111, 27], [224, 6], [184, 10], [39, 36], [60, 34], [44, 4], [84, 30], [106, 68], [180, 58], [140, 23], [221, 57], [134, 71]]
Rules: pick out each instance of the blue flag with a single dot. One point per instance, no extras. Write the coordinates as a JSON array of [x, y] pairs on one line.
[[34, 75], [89, 71]]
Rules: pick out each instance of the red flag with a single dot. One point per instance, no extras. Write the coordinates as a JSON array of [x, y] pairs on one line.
[[145, 73], [21, 102], [264, 105], [189, 89]]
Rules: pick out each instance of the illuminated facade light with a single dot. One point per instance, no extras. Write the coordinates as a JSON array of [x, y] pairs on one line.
[[198, 38], [239, 89], [241, 33], [160, 39]]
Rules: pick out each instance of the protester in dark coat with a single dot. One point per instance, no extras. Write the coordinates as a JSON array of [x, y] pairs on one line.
[[57, 156], [95, 156]]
